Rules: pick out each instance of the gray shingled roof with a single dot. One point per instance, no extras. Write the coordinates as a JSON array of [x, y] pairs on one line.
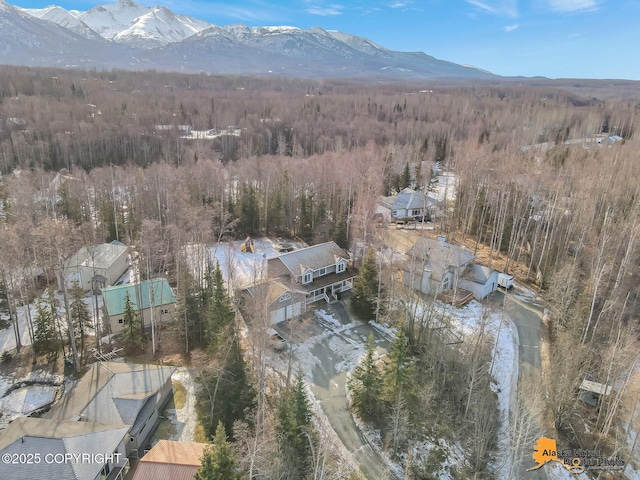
[[101, 256], [410, 199], [478, 274], [113, 392], [318, 256], [42, 436], [438, 256]]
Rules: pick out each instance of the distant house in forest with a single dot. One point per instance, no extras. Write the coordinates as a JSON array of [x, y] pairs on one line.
[[148, 298], [435, 266], [96, 266], [408, 205]]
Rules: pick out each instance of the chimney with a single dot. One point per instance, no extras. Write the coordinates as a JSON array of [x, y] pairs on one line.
[[443, 241]]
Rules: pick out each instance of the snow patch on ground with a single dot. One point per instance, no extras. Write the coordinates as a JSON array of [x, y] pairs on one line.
[[243, 269], [466, 321], [184, 419]]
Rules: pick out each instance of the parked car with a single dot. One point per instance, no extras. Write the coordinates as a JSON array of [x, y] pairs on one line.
[[279, 344]]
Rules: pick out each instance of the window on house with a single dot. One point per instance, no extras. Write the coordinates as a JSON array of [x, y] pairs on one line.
[[322, 271], [121, 321], [164, 311], [285, 296], [307, 278], [341, 267], [415, 212]]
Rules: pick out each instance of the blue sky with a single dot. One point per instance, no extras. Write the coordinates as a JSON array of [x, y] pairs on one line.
[[552, 38]]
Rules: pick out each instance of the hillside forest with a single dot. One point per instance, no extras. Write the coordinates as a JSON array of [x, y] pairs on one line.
[[546, 183]]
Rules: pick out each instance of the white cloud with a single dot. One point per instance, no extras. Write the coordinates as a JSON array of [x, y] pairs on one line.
[[400, 3], [511, 28], [507, 8], [325, 11], [569, 6]]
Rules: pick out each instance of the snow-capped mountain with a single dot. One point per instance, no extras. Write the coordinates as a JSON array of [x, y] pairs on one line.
[[28, 40], [128, 35], [62, 17], [159, 27], [125, 22]]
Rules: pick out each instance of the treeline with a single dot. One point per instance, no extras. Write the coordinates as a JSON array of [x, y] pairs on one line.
[[52, 119]]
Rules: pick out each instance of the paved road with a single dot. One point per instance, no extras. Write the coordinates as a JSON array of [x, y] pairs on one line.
[[329, 378], [527, 317]]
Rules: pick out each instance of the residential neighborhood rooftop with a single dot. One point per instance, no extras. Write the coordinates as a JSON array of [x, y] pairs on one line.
[[142, 295], [169, 460], [312, 258], [99, 256], [28, 435], [112, 392]]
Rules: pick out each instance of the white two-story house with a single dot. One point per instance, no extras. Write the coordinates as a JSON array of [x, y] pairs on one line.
[[321, 271]]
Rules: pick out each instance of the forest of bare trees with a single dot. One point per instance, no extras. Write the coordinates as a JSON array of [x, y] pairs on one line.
[[534, 185]]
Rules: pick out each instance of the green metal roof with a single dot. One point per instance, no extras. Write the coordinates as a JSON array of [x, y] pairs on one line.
[[143, 293]]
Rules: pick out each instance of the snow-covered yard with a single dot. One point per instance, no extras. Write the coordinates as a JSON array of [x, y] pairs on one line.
[[239, 269], [7, 336]]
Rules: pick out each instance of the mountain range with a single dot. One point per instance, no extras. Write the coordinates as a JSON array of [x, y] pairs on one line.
[[132, 36]]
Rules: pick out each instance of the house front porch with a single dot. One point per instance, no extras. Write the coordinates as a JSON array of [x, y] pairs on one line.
[[330, 292]]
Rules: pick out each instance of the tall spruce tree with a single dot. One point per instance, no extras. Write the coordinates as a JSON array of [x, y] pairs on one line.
[[46, 340], [366, 386], [218, 460], [295, 430], [340, 232], [365, 288], [81, 317], [398, 372], [220, 311], [132, 333], [226, 395]]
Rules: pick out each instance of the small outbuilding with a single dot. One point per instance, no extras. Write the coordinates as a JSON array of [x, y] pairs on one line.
[[96, 266], [149, 298]]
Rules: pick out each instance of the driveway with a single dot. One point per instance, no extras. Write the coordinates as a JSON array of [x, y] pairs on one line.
[[335, 355], [526, 314]]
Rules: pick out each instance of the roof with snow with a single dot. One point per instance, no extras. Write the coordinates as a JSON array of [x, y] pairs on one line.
[[310, 258], [27, 435], [114, 392], [142, 295], [100, 256], [437, 255]]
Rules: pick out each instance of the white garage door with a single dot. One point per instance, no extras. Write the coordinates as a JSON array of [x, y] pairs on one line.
[[285, 313]]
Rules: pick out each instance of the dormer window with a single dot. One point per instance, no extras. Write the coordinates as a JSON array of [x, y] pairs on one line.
[[285, 296], [341, 266], [307, 277]]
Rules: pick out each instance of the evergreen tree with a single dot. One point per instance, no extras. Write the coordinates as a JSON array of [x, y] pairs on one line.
[[340, 232], [406, 176], [188, 311], [80, 316], [225, 395], [295, 430], [366, 386], [398, 372], [219, 309], [249, 211], [4, 298], [132, 333], [365, 288], [46, 340], [218, 460]]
